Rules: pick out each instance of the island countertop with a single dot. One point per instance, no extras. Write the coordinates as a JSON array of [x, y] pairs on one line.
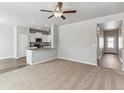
[[35, 48], [39, 55]]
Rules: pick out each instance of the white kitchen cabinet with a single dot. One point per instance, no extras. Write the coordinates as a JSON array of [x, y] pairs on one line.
[[50, 37], [32, 37]]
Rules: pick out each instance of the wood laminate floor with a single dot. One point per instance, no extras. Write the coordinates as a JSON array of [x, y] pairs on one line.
[[10, 64], [110, 61], [61, 74]]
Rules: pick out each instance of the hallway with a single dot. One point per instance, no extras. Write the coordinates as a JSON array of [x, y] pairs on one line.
[[110, 61]]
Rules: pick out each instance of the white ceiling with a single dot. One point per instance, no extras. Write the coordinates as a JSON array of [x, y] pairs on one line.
[[23, 13], [110, 26]]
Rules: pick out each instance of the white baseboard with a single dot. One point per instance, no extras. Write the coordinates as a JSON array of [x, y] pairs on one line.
[[122, 68], [100, 57], [19, 57], [6, 57], [85, 62], [42, 61]]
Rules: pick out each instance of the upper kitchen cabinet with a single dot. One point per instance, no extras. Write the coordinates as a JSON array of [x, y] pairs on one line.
[[44, 39]]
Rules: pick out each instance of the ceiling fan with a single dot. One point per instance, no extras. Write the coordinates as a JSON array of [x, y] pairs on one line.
[[58, 11]]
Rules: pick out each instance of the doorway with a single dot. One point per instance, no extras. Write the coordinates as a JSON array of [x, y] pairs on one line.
[[109, 45]]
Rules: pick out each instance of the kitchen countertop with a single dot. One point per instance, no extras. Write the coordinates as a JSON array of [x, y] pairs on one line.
[[35, 48]]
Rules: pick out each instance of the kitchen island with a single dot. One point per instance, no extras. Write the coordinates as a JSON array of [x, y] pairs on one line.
[[39, 55]]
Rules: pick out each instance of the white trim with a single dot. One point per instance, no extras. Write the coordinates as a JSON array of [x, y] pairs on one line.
[[120, 59], [16, 57], [100, 57], [34, 63], [19, 57], [122, 68], [85, 62], [6, 57], [11, 57]]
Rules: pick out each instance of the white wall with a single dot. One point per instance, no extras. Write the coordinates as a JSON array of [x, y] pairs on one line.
[[6, 42], [77, 40]]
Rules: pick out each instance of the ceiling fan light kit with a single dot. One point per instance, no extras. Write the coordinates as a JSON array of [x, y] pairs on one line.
[[58, 12]]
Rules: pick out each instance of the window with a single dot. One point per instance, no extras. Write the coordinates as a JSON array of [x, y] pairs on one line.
[[101, 42], [110, 42], [120, 43]]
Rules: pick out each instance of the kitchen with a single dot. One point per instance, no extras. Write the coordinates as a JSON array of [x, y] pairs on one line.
[[40, 45]]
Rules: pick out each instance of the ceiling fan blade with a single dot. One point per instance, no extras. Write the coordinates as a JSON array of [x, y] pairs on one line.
[[46, 10], [50, 16], [60, 4], [63, 17], [70, 11]]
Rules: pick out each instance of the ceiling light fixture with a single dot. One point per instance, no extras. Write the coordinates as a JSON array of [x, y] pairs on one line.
[[58, 12]]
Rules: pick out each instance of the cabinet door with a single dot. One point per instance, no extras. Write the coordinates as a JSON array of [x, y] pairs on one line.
[[33, 36], [46, 38]]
